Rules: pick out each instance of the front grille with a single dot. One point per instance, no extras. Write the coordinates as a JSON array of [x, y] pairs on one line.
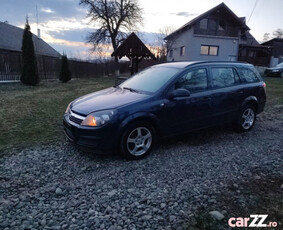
[[76, 118]]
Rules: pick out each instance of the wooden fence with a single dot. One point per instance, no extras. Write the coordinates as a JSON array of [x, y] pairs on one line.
[[49, 67]]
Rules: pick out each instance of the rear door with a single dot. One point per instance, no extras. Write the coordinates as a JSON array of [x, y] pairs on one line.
[[227, 93]]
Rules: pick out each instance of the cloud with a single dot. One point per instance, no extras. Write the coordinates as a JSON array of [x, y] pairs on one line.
[[47, 10], [71, 34], [184, 14], [63, 24], [15, 11]]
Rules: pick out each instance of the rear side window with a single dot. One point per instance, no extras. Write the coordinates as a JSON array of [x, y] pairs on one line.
[[194, 80], [224, 77], [247, 75]]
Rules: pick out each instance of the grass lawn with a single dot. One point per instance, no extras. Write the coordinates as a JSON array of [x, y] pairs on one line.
[[33, 115], [274, 86]]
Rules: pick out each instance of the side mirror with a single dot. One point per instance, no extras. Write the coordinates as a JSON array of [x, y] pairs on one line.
[[180, 93]]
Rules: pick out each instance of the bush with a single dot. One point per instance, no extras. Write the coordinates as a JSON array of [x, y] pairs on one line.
[[65, 73]]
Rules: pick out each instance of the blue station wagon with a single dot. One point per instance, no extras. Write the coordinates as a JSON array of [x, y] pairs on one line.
[[166, 100]]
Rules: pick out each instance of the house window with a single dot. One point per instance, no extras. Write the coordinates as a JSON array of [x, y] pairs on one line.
[[171, 53], [182, 51], [203, 24], [212, 27], [222, 25], [212, 24], [209, 50]]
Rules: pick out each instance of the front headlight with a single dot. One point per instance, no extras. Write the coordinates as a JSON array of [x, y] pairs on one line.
[[98, 118]]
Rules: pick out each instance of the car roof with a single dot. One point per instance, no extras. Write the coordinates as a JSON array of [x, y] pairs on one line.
[[179, 65], [184, 64]]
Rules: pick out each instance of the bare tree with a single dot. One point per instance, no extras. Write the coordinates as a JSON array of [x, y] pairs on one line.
[[113, 18], [278, 33], [266, 37], [164, 46]]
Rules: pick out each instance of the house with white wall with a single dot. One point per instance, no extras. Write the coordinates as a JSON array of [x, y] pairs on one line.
[[215, 35]]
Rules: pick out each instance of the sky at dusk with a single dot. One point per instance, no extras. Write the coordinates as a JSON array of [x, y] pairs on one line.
[[63, 23]]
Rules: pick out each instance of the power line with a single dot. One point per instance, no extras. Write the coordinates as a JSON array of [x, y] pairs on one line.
[[256, 2]]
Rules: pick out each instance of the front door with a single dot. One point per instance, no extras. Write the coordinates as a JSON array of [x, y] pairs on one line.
[[182, 114]]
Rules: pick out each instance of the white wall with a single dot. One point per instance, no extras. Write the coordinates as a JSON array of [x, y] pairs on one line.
[[182, 40], [228, 47]]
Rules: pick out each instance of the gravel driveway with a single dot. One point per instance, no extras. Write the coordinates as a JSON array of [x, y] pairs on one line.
[[61, 187]]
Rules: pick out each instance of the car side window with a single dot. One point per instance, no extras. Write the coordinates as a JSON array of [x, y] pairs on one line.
[[224, 77], [194, 80], [248, 75]]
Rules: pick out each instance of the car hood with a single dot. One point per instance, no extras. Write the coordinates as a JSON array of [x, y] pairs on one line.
[[110, 98]]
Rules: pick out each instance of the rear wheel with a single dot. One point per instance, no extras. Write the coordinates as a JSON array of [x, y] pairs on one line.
[[137, 140], [246, 119]]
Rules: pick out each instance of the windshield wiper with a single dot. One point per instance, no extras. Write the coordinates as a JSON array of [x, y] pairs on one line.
[[131, 89]]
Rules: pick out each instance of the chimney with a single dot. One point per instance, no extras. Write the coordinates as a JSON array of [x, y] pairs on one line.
[[38, 33]]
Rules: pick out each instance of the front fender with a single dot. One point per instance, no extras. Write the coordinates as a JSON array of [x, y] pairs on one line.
[[150, 117]]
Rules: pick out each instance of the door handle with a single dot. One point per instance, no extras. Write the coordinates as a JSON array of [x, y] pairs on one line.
[[218, 94], [162, 105], [206, 98]]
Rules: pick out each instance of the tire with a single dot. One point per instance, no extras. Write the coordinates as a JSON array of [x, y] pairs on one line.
[[246, 119], [281, 74], [137, 140]]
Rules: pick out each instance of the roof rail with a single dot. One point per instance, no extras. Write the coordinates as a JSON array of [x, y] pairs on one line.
[[224, 62]]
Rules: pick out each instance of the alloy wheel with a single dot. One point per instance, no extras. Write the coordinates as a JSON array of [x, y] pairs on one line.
[[248, 118], [139, 141]]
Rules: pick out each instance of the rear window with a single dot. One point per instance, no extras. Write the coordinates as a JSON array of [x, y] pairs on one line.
[[247, 75], [224, 77]]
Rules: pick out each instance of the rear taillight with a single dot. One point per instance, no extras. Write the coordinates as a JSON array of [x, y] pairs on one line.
[[264, 86]]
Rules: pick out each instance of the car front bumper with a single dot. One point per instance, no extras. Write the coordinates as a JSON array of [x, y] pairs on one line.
[[102, 139]]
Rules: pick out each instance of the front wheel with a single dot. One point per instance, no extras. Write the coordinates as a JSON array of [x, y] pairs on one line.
[[246, 119], [137, 140]]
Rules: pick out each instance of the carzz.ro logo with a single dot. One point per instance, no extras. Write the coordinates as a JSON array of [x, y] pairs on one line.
[[254, 221]]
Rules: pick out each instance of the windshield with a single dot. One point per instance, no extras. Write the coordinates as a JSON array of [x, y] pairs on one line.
[[280, 64], [150, 80]]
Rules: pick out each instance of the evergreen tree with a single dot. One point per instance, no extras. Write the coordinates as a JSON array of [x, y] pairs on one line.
[[29, 74], [65, 73]]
